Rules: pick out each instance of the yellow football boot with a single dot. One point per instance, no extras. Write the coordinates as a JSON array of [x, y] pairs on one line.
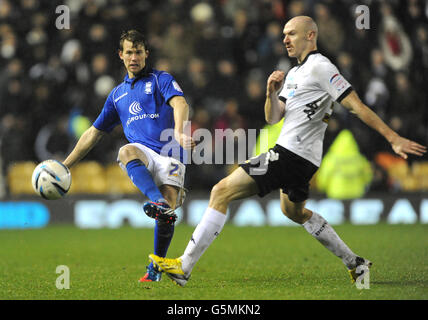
[[172, 268]]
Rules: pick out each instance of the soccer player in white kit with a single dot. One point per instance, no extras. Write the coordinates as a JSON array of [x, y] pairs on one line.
[[305, 101]]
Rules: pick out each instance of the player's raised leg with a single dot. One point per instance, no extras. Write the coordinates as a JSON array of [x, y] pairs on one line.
[[136, 164], [320, 229], [237, 185]]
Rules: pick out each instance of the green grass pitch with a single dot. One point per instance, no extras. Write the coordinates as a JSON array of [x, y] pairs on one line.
[[244, 263]]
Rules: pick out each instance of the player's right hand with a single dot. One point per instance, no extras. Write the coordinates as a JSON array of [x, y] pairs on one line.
[[275, 82]]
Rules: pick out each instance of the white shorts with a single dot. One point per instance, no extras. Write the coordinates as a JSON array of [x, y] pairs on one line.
[[164, 170]]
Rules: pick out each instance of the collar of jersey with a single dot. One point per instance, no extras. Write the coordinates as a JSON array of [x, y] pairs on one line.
[[143, 73], [127, 79], [307, 56]]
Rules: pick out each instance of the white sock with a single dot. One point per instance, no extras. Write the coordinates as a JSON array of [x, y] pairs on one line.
[[324, 233], [206, 231]]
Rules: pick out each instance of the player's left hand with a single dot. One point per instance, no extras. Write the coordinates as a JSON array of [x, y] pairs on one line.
[[403, 146], [185, 141]]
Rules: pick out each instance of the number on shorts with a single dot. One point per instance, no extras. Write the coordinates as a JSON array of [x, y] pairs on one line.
[[173, 172]]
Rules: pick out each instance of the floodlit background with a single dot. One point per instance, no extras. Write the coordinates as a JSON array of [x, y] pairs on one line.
[[53, 84]]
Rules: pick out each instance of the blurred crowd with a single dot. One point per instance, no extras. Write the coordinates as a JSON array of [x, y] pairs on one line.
[[53, 82]]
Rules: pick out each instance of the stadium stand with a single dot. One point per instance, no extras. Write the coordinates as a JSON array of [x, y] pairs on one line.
[[88, 177], [218, 51], [118, 181], [19, 177]]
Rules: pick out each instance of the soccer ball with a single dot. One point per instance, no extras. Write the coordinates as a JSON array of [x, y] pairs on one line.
[[51, 179]]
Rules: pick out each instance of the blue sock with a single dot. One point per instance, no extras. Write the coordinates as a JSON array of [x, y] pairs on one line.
[[142, 178], [163, 236]]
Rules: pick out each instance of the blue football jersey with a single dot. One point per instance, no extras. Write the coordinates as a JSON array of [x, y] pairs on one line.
[[142, 108]]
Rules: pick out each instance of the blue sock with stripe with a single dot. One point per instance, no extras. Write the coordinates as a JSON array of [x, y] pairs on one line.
[[142, 178]]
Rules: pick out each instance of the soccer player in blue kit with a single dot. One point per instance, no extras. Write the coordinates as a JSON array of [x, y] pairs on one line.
[[146, 103]]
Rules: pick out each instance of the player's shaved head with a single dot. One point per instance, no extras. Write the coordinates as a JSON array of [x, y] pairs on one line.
[[300, 36], [305, 23]]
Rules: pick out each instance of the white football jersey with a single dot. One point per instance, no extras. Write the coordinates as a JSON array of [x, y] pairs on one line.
[[309, 92]]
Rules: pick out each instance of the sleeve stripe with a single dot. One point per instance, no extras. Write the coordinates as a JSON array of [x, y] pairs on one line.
[[120, 97], [344, 94], [282, 99], [112, 96]]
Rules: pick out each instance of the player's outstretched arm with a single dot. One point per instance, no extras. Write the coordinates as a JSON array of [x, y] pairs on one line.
[[274, 108], [86, 142], [181, 116], [400, 145]]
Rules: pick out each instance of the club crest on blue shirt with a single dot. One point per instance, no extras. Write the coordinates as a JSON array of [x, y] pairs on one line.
[[148, 89]]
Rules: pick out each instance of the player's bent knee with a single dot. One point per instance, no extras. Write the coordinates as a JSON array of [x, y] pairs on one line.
[[128, 153], [220, 191]]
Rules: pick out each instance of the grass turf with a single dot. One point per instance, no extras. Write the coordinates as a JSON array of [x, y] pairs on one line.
[[244, 263]]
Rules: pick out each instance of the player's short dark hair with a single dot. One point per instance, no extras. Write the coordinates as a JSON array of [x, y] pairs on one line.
[[133, 36]]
